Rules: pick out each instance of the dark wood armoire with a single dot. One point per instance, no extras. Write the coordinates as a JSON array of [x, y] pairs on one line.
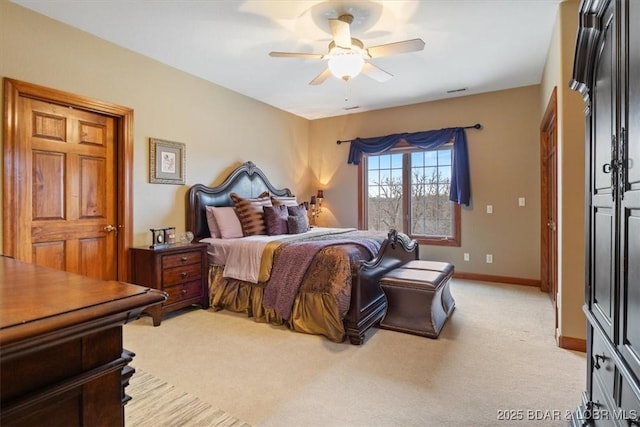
[[607, 73]]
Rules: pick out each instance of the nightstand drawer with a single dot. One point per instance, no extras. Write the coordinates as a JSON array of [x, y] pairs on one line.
[[173, 276], [185, 258], [183, 292]]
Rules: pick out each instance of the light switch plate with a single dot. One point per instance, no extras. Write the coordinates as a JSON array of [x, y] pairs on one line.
[[521, 201], [489, 209]]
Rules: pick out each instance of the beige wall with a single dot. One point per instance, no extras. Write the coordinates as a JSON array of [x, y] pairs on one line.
[[504, 163], [571, 173], [219, 127], [222, 129]]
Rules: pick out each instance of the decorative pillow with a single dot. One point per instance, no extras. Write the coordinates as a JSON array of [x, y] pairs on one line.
[[250, 213], [228, 222], [275, 218], [298, 210], [284, 200], [301, 212], [297, 224], [211, 221]]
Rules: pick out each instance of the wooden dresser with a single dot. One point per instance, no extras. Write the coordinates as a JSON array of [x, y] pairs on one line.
[[62, 361], [606, 71], [180, 270]]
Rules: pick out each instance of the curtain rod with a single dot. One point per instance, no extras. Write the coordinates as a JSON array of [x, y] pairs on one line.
[[476, 126]]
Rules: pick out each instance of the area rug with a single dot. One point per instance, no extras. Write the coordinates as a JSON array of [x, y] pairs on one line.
[[156, 403]]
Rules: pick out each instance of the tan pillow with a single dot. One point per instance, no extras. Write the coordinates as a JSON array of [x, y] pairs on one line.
[[250, 213], [284, 200], [214, 230], [227, 221]]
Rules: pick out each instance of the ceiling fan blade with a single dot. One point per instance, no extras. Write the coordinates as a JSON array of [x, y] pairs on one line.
[[376, 73], [320, 78], [296, 55], [341, 31], [379, 51]]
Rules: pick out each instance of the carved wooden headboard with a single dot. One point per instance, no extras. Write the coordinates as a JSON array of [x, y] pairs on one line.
[[247, 181]]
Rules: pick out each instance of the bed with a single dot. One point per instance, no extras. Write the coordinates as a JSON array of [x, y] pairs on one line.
[[338, 295]]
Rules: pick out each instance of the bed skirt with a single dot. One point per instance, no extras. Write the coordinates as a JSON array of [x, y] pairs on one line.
[[313, 312]]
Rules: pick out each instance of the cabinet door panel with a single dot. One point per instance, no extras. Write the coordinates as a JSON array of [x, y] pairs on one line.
[[604, 112], [602, 302], [629, 308], [602, 214], [633, 96], [630, 283]]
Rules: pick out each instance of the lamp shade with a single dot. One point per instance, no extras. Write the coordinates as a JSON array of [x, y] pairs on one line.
[[346, 65]]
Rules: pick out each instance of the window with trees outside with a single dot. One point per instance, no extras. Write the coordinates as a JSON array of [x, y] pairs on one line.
[[408, 190]]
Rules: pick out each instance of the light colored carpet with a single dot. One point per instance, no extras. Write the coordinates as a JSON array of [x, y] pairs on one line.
[[156, 403], [496, 353]]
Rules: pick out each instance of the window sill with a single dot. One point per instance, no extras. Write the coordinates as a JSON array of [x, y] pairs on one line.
[[422, 240]]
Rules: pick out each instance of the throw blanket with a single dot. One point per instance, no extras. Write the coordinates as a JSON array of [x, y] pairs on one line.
[[250, 258], [291, 266]]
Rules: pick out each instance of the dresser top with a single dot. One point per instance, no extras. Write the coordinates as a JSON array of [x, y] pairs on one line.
[[35, 299]]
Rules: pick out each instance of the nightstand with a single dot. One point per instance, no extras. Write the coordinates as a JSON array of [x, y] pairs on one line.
[[180, 270]]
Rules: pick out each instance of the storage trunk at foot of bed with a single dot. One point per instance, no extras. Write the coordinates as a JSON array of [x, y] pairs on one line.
[[368, 303]]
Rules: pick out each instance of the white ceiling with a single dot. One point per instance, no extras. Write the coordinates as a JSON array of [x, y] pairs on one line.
[[480, 45]]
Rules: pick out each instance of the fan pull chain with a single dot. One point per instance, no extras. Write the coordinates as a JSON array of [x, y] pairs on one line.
[[346, 90]]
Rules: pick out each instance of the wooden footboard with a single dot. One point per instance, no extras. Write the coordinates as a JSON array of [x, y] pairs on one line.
[[367, 300]]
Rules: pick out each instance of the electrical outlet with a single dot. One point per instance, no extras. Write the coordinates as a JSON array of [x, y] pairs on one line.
[[489, 209], [489, 258], [521, 201], [466, 256]]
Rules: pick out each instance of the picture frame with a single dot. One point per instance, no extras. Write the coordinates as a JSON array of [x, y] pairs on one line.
[[167, 162]]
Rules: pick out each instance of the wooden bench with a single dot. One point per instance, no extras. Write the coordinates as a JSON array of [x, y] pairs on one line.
[[419, 301]]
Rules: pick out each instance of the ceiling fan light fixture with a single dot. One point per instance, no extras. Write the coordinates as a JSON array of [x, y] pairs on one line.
[[346, 65]]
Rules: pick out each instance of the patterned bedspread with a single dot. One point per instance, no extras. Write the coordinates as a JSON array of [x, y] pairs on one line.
[[251, 258], [293, 261], [323, 295]]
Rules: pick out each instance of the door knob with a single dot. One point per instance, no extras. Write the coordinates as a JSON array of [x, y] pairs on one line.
[[109, 228]]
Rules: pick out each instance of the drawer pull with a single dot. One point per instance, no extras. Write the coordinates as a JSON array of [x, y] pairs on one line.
[[598, 359], [183, 275], [183, 259], [184, 292]]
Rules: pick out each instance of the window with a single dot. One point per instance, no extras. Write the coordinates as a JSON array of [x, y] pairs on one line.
[[408, 190]]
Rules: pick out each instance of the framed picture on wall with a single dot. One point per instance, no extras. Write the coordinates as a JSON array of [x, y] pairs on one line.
[[166, 162]]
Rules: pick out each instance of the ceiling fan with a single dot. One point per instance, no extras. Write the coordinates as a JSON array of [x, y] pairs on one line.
[[347, 56]]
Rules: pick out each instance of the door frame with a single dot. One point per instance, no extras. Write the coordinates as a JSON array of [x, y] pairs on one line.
[[549, 120], [12, 181]]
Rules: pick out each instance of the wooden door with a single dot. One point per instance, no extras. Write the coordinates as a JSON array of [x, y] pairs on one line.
[[549, 192], [70, 172], [66, 181]]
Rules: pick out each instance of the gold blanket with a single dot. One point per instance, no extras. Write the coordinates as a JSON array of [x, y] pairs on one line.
[[322, 301]]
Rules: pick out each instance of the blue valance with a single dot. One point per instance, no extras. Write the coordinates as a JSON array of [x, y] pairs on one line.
[[460, 191]]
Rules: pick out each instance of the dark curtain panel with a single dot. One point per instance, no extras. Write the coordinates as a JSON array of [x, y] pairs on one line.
[[460, 191]]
